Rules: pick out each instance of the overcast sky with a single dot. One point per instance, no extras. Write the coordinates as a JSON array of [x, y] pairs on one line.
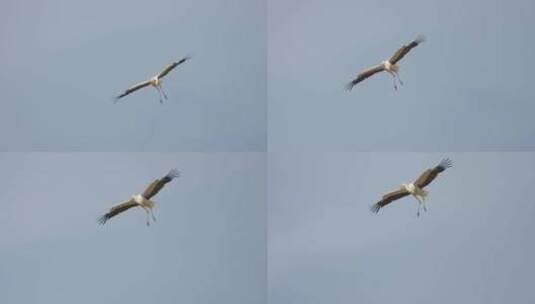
[[469, 87], [474, 245], [266, 70], [207, 246], [63, 61]]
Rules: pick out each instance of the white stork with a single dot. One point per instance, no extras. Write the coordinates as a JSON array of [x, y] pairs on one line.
[[141, 200], [155, 81], [415, 189], [389, 65]]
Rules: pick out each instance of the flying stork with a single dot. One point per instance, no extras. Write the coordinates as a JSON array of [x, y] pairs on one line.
[[155, 81], [389, 65], [415, 189], [141, 200]]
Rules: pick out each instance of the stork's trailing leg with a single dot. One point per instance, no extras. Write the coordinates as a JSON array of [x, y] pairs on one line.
[[394, 80], [147, 217], [159, 94], [421, 203], [399, 79], [152, 214], [163, 92]]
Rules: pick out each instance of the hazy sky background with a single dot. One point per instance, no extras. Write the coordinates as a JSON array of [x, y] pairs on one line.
[[474, 245], [208, 245], [469, 87], [63, 61]]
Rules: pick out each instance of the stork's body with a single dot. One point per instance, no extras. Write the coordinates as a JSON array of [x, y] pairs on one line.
[[393, 70], [147, 205], [418, 193], [156, 82]]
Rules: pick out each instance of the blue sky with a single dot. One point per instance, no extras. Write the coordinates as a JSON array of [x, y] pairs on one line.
[[468, 88], [63, 61], [472, 246], [208, 245]]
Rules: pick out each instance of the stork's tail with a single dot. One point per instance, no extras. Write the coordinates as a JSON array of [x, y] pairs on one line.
[[424, 193]]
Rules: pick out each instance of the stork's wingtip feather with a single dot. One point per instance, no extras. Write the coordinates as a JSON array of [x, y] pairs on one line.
[[375, 208], [348, 87], [446, 163], [102, 220], [174, 173], [186, 58], [420, 38], [118, 98]]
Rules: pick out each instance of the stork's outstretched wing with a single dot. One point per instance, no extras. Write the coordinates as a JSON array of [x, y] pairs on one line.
[[116, 210], [388, 198], [133, 89], [158, 184], [430, 174], [173, 65], [402, 51], [365, 74]]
